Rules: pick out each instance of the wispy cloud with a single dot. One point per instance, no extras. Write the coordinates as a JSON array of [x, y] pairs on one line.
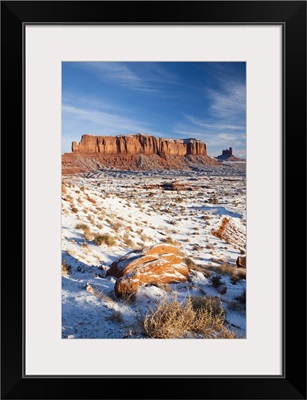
[[151, 77], [107, 121], [213, 125], [230, 102]]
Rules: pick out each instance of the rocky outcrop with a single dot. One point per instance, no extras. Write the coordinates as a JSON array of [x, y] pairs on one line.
[[227, 155], [231, 232], [159, 264], [138, 144], [134, 153]]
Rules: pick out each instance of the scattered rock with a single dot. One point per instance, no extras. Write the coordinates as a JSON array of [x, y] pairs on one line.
[[231, 232], [241, 262], [158, 264]]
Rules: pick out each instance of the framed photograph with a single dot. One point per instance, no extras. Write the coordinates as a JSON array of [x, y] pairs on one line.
[[162, 149]]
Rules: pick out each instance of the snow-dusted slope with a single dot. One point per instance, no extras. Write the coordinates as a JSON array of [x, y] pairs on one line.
[[109, 213]]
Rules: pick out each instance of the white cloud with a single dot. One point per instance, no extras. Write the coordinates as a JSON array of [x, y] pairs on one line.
[[230, 102]]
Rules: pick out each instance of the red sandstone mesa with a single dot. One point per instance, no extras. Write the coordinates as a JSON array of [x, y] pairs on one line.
[[134, 152], [138, 144], [158, 264]]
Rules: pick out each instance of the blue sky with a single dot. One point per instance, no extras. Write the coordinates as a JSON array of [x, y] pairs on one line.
[[203, 100]]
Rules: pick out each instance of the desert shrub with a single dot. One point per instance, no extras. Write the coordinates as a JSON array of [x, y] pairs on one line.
[[206, 273], [191, 264], [213, 304], [128, 242], [66, 268], [100, 295], [216, 281], [104, 238], [213, 200], [169, 320], [236, 274], [212, 326], [143, 237], [172, 319], [88, 234], [242, 298], [115, 225], [83, 227], [169, 240], [90, 218], [116, 316]]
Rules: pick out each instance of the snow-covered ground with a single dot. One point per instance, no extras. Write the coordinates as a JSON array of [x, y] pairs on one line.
[[136, 212]]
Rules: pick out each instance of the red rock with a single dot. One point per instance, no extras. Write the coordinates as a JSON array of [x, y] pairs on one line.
[[241, 262], [231, 233], [159, 264], [134, 152], [138, 144]]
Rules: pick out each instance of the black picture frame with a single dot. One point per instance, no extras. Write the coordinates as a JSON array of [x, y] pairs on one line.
[[292, 16]]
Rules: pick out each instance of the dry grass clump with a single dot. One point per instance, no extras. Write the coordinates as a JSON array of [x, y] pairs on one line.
[[115, 225], [88, 235], [86, 231], [174, 319], [83, 227], [91, 200], [128, 242], [169, 320], [66, 268], [236, 274], [192, 265], [104, 238], [216, 281], [94, 291], [116, 316], [90, 218], [212, 304], [169, 240]]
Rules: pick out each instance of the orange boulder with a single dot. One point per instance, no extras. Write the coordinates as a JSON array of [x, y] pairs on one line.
[[159, 264]]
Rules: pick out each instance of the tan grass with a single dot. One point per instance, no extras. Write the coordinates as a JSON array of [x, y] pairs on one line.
[[172, 319], [66, 268], [104, 238], [100, 295], [236, 274]]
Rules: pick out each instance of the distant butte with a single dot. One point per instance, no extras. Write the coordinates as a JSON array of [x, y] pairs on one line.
[[227, 155], [134, 152]]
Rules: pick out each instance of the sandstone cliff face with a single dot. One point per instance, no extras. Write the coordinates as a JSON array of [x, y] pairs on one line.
[[138, 144], [134, 153]]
